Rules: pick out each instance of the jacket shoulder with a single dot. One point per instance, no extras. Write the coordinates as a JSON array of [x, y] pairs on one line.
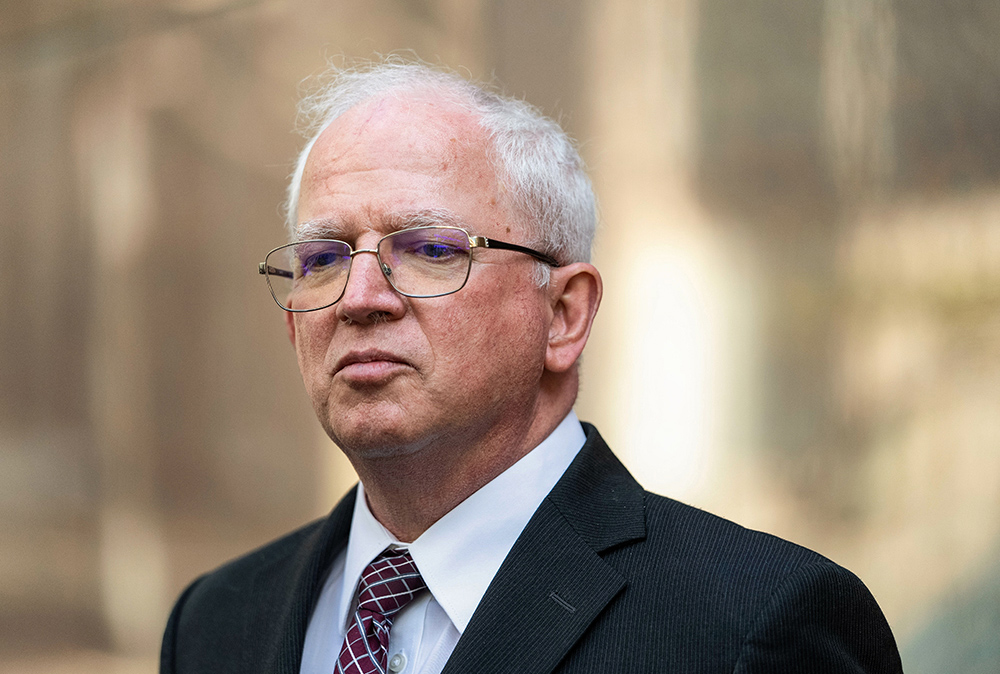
[[254, 609], [703, 535], [722, 597], [212, 609]]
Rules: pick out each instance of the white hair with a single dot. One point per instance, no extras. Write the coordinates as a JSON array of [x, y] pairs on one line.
[[536, 163]]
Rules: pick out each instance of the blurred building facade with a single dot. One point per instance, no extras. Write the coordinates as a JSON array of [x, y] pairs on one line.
[[800, 243]]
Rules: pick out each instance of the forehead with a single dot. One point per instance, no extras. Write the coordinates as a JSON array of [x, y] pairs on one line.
[[407, 152]]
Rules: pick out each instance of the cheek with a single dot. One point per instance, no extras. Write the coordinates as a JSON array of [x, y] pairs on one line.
[[505, 328], [312, 339]]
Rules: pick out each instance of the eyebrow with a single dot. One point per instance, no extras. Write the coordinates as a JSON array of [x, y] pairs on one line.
[[428, 217], [317, 229], [333, 228]]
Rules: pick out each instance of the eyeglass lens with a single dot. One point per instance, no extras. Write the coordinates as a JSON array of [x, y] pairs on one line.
[[420, 262]]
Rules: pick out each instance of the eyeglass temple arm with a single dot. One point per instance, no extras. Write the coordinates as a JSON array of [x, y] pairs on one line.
[[273, 271], [482, 241]]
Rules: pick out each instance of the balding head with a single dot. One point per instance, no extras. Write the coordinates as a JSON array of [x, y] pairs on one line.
[[540, 174]]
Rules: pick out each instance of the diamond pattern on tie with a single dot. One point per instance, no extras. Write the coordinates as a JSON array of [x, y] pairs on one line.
[[387, 585]]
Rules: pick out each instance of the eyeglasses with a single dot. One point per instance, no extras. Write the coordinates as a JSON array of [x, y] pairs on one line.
[[418, 262]]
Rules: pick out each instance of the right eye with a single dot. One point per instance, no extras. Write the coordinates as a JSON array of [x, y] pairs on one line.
[[319, 262], [320, 258]]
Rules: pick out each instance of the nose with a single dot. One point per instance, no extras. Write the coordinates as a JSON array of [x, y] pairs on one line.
[[368, 297]]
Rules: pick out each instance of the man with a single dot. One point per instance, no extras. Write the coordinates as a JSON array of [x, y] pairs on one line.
[[438, 296]]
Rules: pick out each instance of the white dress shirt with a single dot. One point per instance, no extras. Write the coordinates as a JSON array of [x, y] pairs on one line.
[[457, 557]]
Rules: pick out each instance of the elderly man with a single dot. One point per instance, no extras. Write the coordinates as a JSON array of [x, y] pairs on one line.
[[438, 295]]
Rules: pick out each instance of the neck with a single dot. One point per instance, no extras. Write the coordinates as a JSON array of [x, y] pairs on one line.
[[410, 492]]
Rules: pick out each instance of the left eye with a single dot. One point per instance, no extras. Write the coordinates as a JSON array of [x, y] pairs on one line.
[[435, 251]]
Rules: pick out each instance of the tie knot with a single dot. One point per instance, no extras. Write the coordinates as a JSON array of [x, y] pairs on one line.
[[389, 583]]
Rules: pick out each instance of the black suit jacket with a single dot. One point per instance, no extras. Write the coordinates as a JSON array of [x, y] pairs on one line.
[[605, 578]]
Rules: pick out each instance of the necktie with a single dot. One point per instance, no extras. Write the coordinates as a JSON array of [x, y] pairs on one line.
[[387, 585]]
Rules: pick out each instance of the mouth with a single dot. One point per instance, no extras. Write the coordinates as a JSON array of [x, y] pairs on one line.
[[369, 366]]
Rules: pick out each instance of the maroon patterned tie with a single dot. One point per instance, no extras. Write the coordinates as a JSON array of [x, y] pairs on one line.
[[387, 585]]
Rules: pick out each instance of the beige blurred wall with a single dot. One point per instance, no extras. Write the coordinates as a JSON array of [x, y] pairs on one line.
[[801, 250]]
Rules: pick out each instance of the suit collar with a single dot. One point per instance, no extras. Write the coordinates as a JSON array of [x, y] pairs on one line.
[[554, 583], [599, 497]]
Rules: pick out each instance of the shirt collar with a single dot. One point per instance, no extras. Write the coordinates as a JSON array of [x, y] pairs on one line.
[[461, 552]]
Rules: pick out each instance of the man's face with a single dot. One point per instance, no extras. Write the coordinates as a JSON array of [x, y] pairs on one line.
[[392, 375]]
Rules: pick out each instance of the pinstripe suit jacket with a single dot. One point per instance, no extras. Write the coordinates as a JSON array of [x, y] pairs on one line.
[[605, 578]]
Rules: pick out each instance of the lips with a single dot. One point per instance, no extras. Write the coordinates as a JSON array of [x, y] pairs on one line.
[[367, 363]]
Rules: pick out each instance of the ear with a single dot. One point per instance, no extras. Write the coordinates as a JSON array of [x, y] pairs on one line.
[[290, 326], [574, 295]]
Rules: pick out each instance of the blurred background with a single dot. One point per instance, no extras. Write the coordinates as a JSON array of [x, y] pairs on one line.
[[800, 244]]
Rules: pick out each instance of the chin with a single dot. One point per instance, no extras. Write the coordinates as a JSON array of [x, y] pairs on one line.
[[366, 440]]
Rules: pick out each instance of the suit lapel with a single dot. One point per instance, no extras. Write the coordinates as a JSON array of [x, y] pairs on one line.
[[285, 593], [554, 583]]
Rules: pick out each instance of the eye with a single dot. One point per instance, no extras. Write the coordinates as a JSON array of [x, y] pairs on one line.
[[427, 247], [319, 259], [435, 250]]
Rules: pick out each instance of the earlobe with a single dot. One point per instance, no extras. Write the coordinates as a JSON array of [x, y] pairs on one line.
[[576, 291]]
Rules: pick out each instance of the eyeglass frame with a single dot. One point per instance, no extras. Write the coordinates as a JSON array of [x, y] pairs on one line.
[[267, 270]]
